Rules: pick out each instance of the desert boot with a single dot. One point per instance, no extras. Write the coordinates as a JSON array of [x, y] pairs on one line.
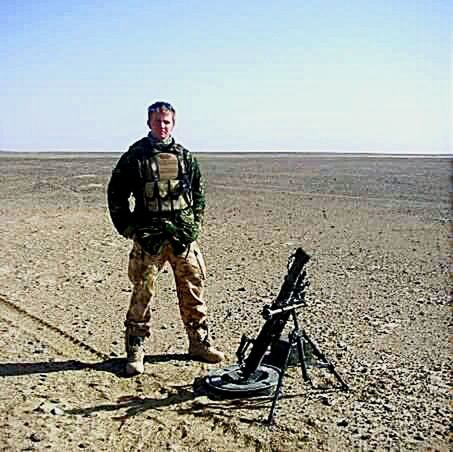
[[135, 354]]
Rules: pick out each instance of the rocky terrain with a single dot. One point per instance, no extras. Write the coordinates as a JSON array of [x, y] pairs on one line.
[[376, 229]]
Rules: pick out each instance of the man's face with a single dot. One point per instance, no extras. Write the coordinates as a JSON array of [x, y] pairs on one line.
[[161, 124]]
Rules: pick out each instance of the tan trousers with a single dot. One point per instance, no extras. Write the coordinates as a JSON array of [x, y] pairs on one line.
[[189, 271]]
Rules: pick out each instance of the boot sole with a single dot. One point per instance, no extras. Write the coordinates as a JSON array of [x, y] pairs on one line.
[[206, 360]]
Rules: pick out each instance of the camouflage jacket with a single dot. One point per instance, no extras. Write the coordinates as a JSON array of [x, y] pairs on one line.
[[151, 229]]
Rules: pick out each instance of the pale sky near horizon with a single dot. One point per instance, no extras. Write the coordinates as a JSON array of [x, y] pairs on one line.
[[354, 76]]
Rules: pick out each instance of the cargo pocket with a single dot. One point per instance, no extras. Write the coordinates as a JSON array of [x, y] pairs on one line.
[[199, 258]]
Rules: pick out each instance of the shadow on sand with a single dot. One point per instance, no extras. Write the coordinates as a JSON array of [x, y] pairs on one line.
[[114, 365], [134, 405]]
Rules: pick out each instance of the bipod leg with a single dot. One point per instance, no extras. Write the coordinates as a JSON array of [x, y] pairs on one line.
[[323, 357], [279, 389]]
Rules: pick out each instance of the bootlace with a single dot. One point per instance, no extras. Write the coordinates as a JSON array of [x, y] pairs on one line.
[[135, 346]]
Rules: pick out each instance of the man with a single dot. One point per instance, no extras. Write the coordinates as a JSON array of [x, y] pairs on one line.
[[165, 181]]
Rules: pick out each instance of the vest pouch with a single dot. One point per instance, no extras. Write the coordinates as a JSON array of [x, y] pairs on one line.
[[171, 195], [151, 203], [149, 189], [168, 189]]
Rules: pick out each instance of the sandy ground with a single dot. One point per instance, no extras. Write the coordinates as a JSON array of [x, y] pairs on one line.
[[377, 232]]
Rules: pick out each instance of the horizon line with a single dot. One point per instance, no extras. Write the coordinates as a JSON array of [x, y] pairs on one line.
[[236, 151]]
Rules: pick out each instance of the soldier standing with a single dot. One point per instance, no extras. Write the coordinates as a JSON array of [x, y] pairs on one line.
[[165, 181]]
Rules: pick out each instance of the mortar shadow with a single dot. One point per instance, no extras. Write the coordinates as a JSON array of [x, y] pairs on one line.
[[114, 365], [134, 405]]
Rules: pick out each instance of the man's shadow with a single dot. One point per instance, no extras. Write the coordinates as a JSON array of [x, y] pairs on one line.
[[114, 365], [132, 405]]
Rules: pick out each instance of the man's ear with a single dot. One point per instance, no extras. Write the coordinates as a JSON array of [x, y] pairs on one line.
[[148, 123]]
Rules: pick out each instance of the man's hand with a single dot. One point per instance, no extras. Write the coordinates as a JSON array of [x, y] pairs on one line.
[[129, 232], [170, 228]]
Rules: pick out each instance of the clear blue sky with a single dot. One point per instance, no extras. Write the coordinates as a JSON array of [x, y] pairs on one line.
[[371, 76]]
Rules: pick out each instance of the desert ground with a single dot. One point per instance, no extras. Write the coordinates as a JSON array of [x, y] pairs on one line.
[[377, 231]]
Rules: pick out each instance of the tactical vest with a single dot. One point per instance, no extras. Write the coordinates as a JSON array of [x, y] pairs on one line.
[[167, 182]]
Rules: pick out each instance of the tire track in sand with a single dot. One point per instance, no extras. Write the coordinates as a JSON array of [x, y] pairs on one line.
[[54, 337]]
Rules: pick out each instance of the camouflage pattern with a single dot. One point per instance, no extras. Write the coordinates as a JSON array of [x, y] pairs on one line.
[[131, 176], [189, 271]]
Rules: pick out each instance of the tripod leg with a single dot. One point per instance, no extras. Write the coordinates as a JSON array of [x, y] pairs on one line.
[[323, 357], [300, 348], [279, 389]]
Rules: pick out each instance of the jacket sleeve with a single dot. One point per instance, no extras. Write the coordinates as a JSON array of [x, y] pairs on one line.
[[118, 193], [198, 192]]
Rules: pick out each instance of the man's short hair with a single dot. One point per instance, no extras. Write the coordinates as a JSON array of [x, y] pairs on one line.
[[161, 106]]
